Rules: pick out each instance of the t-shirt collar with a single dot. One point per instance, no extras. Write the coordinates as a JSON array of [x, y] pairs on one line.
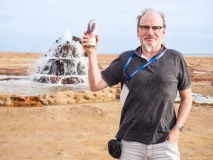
[[140, 54]]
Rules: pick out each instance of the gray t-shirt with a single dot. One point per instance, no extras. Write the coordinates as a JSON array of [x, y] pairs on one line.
[[148, 113]]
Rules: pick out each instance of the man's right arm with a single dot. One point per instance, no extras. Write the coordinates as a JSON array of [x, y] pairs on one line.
[[96, 81]]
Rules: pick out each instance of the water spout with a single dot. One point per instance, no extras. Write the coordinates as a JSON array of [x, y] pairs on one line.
[[65, 63]]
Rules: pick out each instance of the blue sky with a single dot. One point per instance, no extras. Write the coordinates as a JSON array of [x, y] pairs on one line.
[[34, 25]]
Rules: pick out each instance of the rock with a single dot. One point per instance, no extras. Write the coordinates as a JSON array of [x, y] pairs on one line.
[[63, 98], [18, 98], [5, 99], [25, 101], [89, 97]]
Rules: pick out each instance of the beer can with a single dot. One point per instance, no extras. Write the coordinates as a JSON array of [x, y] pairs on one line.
[[92, 31]]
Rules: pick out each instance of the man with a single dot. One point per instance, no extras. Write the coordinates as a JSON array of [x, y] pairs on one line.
[[149, 128]]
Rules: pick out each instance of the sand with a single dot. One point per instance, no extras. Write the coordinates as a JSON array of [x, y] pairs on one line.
[[81, 131]]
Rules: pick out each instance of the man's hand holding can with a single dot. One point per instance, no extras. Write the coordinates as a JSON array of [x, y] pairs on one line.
[[89, 49], [90, 38]]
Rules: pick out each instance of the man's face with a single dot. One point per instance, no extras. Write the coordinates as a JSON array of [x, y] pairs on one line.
[[151, 31]]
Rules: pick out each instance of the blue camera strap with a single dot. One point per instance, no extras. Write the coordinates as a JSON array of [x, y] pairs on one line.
[[129, 77]]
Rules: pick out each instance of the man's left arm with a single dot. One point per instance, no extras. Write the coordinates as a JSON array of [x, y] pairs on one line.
[[183, 112]]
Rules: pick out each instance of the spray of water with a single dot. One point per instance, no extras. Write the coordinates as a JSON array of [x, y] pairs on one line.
[[65, 63]]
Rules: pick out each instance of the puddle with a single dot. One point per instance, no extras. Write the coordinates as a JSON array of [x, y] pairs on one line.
[[199, 98], [25, 86]]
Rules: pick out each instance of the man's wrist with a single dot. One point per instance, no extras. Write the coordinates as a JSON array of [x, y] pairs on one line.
[[179, 126]]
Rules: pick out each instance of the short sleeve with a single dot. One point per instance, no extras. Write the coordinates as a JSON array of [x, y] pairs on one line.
[[184, 80], [113, 74]]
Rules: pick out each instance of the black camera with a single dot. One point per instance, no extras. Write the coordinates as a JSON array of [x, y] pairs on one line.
[[114, 148]]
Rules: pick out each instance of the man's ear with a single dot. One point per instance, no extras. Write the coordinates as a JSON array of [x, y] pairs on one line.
[[164, 31], [138, 31]]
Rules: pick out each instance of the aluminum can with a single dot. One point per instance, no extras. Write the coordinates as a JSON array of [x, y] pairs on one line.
[[92, 31]]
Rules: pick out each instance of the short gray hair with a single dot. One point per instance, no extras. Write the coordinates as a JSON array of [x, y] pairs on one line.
[[147, 10]]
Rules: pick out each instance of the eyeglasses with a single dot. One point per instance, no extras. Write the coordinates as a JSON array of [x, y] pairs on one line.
[[155, 29]]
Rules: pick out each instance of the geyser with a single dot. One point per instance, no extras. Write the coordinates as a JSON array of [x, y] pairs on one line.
[[65, 63]]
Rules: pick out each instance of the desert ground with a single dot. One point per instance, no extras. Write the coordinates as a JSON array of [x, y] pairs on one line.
[[81, 131]]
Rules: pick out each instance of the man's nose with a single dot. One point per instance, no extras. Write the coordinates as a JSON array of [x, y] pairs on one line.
[[150, 31]]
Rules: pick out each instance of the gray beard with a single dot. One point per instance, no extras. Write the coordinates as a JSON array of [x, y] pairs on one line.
[[150, 48]]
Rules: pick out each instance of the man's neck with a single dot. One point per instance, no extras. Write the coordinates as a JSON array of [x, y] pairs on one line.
[[151, 54]]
